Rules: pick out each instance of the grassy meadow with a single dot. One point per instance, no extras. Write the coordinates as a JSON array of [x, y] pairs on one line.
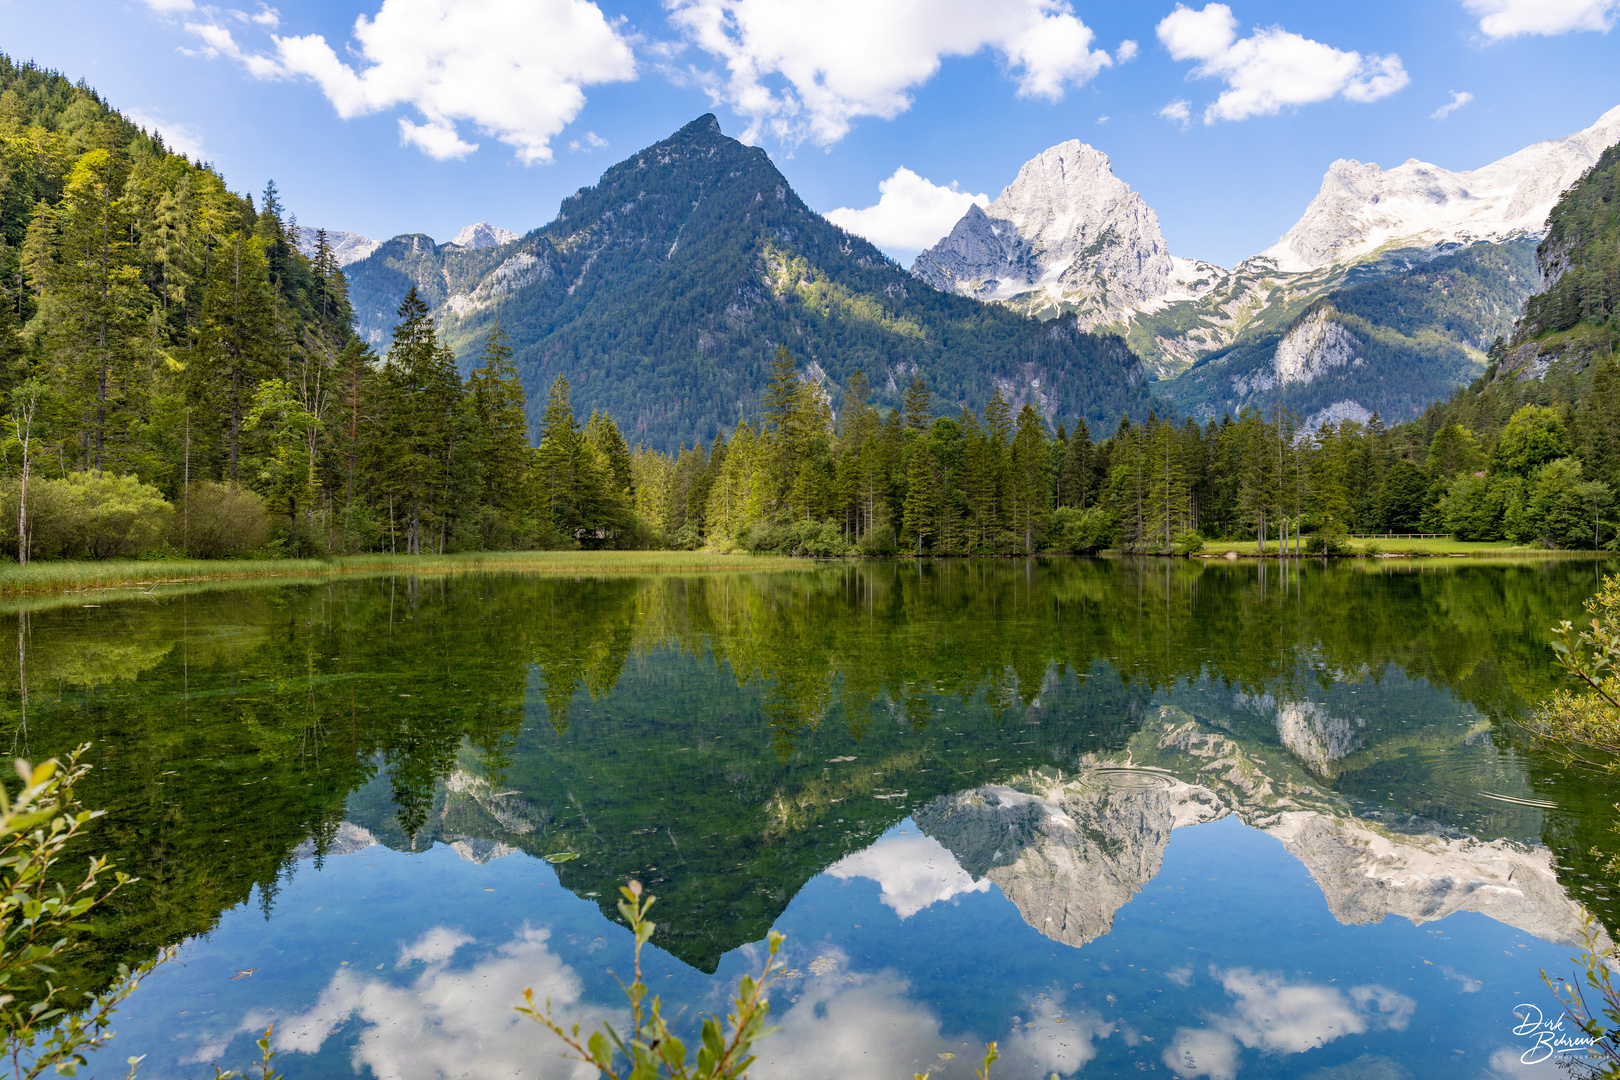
[[142, 574]]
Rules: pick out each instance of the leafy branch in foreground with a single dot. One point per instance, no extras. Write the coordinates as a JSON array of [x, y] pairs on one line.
[[652, 1050], [41, 919], [1600, 1024], [1586, 725]]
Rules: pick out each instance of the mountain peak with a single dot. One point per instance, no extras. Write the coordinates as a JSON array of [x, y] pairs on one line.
[[1361, 207], [483, 235], [1066, 234]]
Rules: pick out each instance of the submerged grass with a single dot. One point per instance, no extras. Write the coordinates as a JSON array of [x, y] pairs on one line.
[[43, 578]]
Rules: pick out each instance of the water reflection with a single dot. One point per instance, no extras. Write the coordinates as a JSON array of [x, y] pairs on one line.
[[970, 734]]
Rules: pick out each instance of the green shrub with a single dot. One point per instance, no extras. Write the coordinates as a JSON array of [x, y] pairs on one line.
[[818, 539], [84, 516], [1079, 531], [1189, 543], [219, 521]]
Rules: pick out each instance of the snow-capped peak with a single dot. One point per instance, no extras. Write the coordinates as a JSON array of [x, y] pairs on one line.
[[483, 235], [1361, 207], [1066, 230]]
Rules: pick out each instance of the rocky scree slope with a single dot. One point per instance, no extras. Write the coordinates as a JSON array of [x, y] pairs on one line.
[[663, 292]]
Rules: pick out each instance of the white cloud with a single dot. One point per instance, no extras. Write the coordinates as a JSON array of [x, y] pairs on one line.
[[591, 141], [515, 70], [1459, 98], [216, 41], [180, 138], [1279, 1017], [914, 871], [449, 1021], [1126, 52], [267, 16], [171, 7], [808, 71], [436, 946], [1511, 18], [1272, 68], [1055, 1039], [865, 1026], [1178, 111], [852, 1026], [911, 214]]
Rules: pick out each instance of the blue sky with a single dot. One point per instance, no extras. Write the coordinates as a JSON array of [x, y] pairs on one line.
[[373, 129]]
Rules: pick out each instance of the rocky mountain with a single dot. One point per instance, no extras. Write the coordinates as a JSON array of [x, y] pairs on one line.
[[348, 247], [1066, 236], [1071, 852], [483, 235], [1362, 209], [1569, 328], [1392, 344], [663, 292]]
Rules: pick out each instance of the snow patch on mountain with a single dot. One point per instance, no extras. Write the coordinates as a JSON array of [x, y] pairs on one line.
[[483, 235], [347, 247], [1362, 208], [1065, 235]]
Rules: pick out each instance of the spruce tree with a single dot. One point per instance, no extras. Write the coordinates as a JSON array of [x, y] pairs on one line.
[[919, 404]]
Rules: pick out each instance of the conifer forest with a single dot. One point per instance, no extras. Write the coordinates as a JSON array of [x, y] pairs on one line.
[[179, 377]]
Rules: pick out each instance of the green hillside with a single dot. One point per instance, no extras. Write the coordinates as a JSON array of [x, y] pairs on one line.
[[1568, 331], [1404, 340], [663, 292]]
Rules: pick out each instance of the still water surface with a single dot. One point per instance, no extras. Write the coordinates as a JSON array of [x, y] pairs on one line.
[[1178, 819]]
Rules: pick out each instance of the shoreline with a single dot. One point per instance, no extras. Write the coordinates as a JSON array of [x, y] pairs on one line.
[[145, 577]]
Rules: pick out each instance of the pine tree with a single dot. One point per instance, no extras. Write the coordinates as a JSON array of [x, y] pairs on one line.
[[1030, 464], [94, 312], [919, 404], [557, 460], [1076, 482], [420, 392], [917, 524], [500, 434]]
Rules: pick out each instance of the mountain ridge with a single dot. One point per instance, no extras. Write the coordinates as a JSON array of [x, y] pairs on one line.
[[1364, 223], [663, 291]]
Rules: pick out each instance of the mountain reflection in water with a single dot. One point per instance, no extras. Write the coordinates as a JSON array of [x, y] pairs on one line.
[[755, 745]]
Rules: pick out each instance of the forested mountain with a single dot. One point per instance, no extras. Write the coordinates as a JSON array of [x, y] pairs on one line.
[[179, 377], [1393, 344], [155, 300], [663, 293], [1568, 330], [1530, 453]]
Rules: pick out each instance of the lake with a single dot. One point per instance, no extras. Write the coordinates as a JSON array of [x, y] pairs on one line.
[[1170, 817]]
